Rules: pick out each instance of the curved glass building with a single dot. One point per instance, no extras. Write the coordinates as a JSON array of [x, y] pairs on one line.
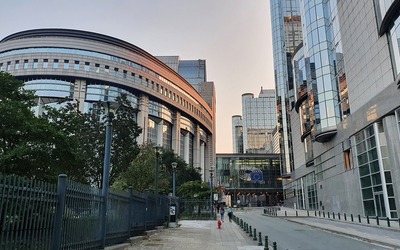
[[88, 67]]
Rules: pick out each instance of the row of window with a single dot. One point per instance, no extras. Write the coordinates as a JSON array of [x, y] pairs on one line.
[[88, 67]]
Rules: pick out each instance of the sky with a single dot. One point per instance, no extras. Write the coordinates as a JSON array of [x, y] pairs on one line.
[[233, 36]]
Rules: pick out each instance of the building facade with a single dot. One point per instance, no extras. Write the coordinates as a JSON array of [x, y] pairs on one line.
[[286, 36], [249, 179], [255, 126], [90, 67], [346, 120]]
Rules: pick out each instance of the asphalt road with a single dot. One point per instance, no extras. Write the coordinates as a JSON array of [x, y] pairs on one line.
[[290, 235]]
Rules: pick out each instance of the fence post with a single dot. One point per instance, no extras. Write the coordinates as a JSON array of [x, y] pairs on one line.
[[266, 247], [130, 190], [61, 192]]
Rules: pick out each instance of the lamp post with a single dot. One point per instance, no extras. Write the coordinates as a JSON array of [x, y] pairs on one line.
[[157, 148], [211, 192], [110, 109], [174, 165]]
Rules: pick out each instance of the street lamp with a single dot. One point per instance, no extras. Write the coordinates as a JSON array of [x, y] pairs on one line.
[[110, 109], [174, 165], [211, 192], [157, 148]]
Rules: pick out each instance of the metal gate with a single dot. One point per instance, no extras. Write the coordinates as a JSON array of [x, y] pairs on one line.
[[195, 209]]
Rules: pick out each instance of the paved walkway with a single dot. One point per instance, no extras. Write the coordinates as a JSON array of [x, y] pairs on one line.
[[206, 235], [203, 235]]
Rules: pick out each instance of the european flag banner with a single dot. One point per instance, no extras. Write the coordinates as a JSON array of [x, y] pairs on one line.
[[256, 176]]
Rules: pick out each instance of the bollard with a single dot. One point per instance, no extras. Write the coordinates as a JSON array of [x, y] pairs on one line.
[[251, 233], [274, 246], [345, 216], [367, 219], [388, 221], [338, 215], [297, 213], [333, 215], [359, 218], [265, 211], [377, 220], [352, 218], [266, 247], [255, 235], [286, 215], [329, 216], [323, 214], [319, 213], [308, 213], [315, 214], [259, 239], [247, 228]]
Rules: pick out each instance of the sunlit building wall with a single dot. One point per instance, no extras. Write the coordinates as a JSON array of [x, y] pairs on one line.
[[89, 67]]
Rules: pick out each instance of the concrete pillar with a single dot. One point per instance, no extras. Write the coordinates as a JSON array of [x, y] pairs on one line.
[[80, 93], [202, 166], [176, 133], [186, 147], [160, 133], [196, 148], [142, 117]]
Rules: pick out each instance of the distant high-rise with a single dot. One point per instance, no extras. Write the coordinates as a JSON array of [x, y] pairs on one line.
[[258, 121], [237, 134]]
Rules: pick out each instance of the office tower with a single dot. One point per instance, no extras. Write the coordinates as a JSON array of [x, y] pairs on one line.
[[252, 132], [237, 134], [286, 36]]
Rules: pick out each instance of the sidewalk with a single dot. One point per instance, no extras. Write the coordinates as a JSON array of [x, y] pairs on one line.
[[199, 235]]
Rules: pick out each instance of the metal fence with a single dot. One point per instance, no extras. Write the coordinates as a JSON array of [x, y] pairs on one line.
[[40, 215], [195, 209]]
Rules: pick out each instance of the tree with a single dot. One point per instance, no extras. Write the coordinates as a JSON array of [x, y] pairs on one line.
[[140, 174], [194, 190], [29, 145]]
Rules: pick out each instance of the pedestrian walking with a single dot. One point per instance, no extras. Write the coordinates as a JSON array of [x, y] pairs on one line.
[[230, 213], [222, 212]]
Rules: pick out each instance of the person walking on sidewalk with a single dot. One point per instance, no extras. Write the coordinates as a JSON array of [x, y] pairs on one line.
[[222, 212], [230, 213]]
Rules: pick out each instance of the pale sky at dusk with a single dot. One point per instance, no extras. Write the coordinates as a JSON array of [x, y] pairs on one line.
[[233, 36]]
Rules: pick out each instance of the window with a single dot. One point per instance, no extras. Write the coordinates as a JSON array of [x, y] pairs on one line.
[[35, 63], [8, 66], [66, 64], [152, 85], [26, 63], [97, 67], [17, 64], [76, 65], [116, 72], [147, 82], [87, 66], [348, 159], [132, 77], [1, 66], [55, 64], [45, 63], [124, 73], [140, 79], [106, 69]]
